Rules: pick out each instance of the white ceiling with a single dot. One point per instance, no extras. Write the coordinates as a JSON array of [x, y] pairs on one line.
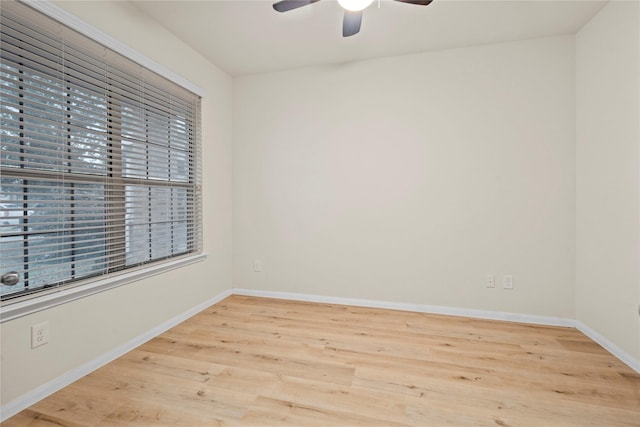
[[248, 36]]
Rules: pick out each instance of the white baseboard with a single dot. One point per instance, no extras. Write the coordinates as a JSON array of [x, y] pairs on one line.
[[616, 351], [67, 378], [421, 308], [624, 357]]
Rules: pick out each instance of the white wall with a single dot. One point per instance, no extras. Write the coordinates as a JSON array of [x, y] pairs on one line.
[[85, 329], [608, 175], [409, 179]]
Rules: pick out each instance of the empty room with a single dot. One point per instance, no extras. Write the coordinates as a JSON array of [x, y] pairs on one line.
[[320, 212]]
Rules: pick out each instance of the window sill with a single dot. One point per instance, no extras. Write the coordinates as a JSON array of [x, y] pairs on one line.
[[17, 309]]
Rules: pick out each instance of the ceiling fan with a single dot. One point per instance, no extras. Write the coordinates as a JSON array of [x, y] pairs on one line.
[[352, 11]]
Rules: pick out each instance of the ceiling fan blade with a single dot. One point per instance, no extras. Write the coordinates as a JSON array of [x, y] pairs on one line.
[[285, 5], [418, 2], [351, 23]]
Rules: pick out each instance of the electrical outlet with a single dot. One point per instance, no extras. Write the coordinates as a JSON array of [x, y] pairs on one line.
[[39, 334], [491, 281], [507, 281], [257, 265]]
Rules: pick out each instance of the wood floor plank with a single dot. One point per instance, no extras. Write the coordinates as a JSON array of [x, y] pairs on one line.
[[250, 361], [269, 411]]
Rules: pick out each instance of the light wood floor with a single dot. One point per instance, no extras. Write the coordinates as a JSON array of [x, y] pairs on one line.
[[259, 362]]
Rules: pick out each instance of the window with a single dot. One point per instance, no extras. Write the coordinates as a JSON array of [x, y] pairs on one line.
[[99, 160]]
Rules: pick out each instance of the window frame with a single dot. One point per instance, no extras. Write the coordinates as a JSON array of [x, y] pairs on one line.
[[47, 298]]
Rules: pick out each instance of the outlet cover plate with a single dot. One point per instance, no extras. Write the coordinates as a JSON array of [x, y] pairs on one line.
[[39, 334], [507, 281]]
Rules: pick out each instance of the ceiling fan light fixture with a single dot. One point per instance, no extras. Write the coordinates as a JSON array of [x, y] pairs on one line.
[[354, 5]]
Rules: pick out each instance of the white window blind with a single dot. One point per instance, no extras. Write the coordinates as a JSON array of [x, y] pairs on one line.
[[99, 159]]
